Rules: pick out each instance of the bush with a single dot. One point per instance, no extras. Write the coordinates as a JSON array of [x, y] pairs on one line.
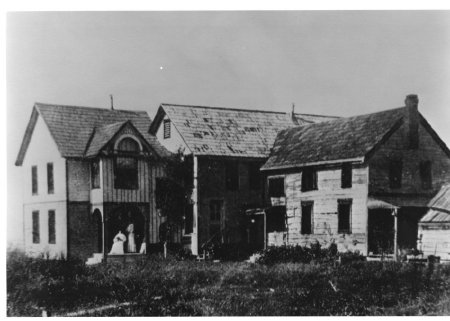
[[297, 254]]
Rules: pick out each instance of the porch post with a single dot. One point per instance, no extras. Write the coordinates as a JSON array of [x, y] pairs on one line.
[[105, 250], [394, 212], [265, 230], [194, 235]]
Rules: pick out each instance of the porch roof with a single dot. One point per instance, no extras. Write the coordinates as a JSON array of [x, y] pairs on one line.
[[435, 216], [374, 203]]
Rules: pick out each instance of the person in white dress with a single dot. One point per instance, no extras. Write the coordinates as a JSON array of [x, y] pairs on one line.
[[117, 248], [131, 242]]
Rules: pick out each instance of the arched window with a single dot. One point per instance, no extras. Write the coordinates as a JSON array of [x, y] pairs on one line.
[[126, 167]]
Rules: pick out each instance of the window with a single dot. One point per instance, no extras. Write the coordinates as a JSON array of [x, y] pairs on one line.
[[34, 180], [50, 182], [126, 167], [188, 218], [346, 175], [425, 175], [395, 174], [215, 210], [276, 187], [309, 179], [344, 211], [51, 227], [35, 223], [166, 128], [126, 173], [254, 176], [232, 175], [95, 174], [307, 209]]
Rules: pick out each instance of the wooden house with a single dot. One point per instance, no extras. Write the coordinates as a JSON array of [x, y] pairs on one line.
[[88, 173], [228, 147], [434, 226], [362, 182]]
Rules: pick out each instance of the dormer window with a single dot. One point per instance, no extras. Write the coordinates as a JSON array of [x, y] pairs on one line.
[[126, 164]]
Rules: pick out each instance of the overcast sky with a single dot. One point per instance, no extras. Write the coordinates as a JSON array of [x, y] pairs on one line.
[[326, 62]]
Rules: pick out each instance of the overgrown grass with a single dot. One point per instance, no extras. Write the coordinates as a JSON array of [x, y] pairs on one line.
[[169, 287]]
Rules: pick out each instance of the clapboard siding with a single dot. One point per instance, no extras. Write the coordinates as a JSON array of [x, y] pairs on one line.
[[325, 218], [396, 148], [435, 239], [111, 194]]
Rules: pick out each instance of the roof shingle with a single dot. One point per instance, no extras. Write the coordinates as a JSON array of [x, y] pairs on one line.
[[344, 138], [216, 131]]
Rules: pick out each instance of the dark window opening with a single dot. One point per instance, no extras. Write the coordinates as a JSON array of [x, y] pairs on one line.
[[344, 212], [395, 174], [307, 210], [276, 219], [51, 227], [126, 173], [232, 176], [276, 187], [34, 180], [254, 176], [309, 179], [188, 219], [95, 174], [346, 175], [166, 128], [128, 145], [35, 223], [425, 175], [50, 181], [215, 210]]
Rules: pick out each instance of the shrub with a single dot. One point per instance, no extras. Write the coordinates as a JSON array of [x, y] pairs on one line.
[[297, 254]]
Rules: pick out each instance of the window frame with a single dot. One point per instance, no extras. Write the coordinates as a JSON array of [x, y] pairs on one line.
[[341, 204], [167, 128], [121, 172], [34, 180], [50, 179], [51, 227], [232, 176], [271, 189], [309, 181], [426, 175], [95, 174], [213, 218], [35, 227], [303, 226], [346, 175]]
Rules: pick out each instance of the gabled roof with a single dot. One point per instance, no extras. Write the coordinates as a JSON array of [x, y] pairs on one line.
[[71, 127], [218, 131], [442, 199], [325, 142]]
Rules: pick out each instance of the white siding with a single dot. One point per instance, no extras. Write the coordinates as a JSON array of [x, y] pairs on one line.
[[175, 142], [435, 239], [43, 150]]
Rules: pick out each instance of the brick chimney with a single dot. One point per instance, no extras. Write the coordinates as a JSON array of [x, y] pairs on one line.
[[412, 121]]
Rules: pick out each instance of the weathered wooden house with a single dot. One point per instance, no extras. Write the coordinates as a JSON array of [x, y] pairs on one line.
[[228, 147], [434, 226], [362, 182], [88, 173]]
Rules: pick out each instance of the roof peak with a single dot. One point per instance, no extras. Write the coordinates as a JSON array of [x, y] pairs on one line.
[[244, 110], [38, 104]]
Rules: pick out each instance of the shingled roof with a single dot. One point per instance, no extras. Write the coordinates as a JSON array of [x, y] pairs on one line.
[[72, 126], [341, 139], [218, 131]]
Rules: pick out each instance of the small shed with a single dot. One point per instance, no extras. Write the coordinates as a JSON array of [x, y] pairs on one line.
[[434, 226]]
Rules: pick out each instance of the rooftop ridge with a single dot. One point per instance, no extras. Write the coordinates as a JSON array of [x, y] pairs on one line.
[[88, 107], [244, 109]]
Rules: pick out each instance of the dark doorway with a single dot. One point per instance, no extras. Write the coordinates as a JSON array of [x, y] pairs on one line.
[[99, 230], [120, 219], [381, 231], [408, 223]]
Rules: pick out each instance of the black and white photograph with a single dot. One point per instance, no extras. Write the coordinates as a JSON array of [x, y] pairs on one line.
[[227, 163]]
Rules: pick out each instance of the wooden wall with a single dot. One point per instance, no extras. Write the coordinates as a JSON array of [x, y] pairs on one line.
[[435, 239], [212, 186], [79, 181], [325, 217], [396, 148]]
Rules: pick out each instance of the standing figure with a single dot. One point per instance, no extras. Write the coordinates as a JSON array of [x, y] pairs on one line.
[[117, 248], [131, 243]]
